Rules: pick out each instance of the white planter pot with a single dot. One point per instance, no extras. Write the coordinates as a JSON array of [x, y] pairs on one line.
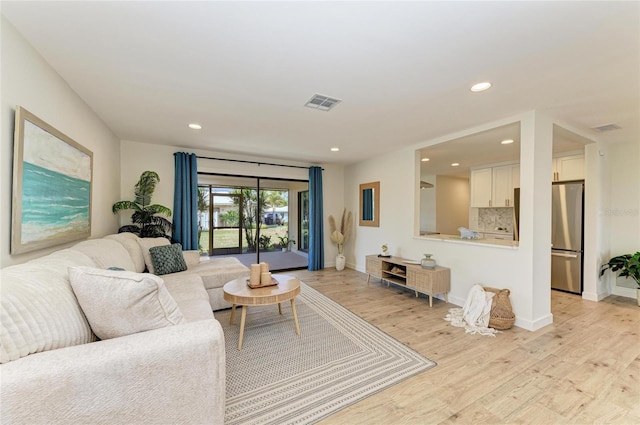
[[340, 262], [638, 297]]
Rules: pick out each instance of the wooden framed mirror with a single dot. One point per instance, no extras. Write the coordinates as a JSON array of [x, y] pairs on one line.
[[370, 204]]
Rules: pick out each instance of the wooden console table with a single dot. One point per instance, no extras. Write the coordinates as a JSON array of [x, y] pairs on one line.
[[400, 271]]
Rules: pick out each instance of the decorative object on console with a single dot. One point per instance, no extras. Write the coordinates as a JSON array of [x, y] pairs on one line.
[[428, 262], [385, 250], [467, 233], [145, 219], [339, 236], [47, 162]]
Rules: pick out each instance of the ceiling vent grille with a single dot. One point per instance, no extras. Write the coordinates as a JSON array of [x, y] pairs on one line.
[[608, 127], [323, 103]]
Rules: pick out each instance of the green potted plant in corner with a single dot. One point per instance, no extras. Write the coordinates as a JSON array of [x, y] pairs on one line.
[[146, 221], [628, 265], [285, 242]]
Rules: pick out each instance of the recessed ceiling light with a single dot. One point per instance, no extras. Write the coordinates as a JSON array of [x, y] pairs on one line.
[[455, 164], [507, 142], [335, 149], [481, 86], [195, 126], [424, 159]]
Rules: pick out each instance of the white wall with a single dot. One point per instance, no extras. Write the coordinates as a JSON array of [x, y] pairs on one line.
[[137, 157], [452, 204], [623, 212], [428, 205], [29, 81]]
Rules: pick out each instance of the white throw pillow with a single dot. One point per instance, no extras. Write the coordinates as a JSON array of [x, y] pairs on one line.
[[148, 243], [118, 303]]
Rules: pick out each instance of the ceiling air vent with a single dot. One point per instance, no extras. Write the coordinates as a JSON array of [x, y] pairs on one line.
[[608, 127], [323, 103]]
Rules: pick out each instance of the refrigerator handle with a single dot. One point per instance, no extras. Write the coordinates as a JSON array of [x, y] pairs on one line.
[[557, 254]]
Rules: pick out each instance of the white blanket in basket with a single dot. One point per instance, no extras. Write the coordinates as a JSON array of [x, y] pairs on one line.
[[474, 315]]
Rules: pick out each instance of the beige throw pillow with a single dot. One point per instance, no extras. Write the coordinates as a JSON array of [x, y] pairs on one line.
[[148, 243], [118, 303]]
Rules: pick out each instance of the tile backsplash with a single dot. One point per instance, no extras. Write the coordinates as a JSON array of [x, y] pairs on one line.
[[490, 218]]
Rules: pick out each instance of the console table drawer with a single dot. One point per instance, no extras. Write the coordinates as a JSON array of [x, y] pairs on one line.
[[374, 265], [436, 281]]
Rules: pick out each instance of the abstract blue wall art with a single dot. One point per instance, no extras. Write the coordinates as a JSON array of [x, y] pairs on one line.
[[52, 177]]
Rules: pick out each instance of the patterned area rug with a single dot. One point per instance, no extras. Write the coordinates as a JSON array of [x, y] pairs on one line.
[[337, 360]]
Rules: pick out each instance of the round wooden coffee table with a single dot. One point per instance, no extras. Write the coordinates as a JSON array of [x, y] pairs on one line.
[[237, 292]]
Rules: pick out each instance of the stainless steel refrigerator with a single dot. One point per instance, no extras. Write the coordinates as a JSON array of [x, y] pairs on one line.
[[566, 236]]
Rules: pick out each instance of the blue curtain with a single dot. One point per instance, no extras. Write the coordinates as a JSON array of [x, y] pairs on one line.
[[316, 233], [185, 201]]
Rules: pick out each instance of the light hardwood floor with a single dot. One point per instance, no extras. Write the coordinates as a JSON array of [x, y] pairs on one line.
[[582, 369]]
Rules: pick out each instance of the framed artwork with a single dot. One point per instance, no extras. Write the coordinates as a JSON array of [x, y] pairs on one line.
[[52, 178]]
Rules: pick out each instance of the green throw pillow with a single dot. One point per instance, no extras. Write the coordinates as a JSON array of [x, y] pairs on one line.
[[167, 259]]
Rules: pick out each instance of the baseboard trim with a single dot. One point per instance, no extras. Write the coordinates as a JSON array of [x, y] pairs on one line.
[[624, 292], [593, 296], [534, 325]]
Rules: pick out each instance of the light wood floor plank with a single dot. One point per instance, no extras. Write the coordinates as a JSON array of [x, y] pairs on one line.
[[584, 368]]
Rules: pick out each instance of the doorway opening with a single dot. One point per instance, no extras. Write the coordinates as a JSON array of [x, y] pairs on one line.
[[253, 219]]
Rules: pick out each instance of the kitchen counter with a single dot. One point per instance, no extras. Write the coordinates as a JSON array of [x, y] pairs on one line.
[[498, 243]]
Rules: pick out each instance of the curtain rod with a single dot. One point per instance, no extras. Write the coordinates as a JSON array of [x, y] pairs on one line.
[[253, 162]]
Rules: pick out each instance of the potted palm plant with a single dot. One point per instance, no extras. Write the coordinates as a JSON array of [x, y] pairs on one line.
[[627, 265], [146, 221]]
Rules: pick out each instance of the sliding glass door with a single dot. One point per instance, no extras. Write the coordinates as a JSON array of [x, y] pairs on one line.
[[225, 223], [252, 219], [303, 222]]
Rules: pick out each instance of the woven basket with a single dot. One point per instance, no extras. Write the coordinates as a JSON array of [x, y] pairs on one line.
[[502, 316]]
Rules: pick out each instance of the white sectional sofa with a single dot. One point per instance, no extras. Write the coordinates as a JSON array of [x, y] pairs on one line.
[[55, 370]]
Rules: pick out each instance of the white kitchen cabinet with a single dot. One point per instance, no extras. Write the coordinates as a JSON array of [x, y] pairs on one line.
[[481, 187], [502, 187], [569, 167], [493, 187]]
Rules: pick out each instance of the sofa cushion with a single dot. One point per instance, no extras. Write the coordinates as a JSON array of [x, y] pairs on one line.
[[106, 253], [167, 259], [192, 257], [39, 311], [118, 303], [215, 272], [190, 295], [130, 242], [146, 244]]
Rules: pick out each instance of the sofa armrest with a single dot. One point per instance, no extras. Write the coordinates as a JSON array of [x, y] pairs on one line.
[[192, 258], [170, 375]]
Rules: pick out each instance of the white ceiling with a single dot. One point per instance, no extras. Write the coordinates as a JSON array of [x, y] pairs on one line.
[[402, 69]]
